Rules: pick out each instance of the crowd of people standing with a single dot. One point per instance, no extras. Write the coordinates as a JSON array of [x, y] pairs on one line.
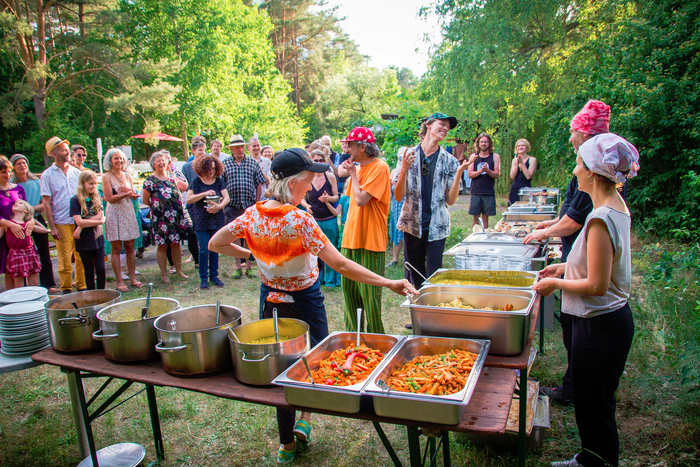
[[281, 210]]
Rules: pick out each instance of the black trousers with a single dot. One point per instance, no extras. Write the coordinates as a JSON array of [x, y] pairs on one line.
[[599, 349], [423, 255], [567, 383], [94, 265], [46, 278]]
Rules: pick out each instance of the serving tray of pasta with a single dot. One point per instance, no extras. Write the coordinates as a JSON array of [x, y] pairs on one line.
[[428, 379]]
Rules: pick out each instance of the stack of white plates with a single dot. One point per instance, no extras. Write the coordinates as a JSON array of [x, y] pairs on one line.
[[23, 328], [24, 294]]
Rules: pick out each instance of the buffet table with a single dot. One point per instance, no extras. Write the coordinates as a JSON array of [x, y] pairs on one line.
[[487, 412]]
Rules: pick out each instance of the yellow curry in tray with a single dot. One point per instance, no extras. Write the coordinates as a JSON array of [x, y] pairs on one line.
[[483, 281]]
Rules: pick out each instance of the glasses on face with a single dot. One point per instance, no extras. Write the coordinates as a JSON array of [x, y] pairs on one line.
[[77, 154], [425, 166], [319, 160]]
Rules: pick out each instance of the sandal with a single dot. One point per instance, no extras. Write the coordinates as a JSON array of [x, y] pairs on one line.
[[122, 288], [54, 291], [172, 270], [137, 284]]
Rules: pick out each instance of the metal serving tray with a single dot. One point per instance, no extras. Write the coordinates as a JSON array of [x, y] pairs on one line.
[[507, 330], [513, 217], [447, 410], [502, 249], [344, 399], [474, 274], [493, 237]]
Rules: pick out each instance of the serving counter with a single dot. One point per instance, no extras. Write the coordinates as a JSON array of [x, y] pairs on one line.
[[487, 412]]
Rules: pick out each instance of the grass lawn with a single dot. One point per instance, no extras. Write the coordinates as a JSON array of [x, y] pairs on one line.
[[657, 419]]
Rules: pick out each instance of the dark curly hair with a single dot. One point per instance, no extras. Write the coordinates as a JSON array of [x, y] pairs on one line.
[[201, 167]]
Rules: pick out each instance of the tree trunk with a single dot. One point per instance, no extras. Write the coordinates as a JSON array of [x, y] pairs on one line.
[[183, 135]]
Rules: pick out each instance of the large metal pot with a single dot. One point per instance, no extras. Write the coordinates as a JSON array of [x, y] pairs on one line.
[[259, 364], [70, 329], [191, 344], [125, 336]]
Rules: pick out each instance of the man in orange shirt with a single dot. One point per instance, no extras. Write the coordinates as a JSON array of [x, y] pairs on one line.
[[365, 233]]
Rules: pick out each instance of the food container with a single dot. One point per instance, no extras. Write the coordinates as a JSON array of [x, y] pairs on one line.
[[344, 399], [490, 279], [259, 364], [124, 335], [502, 255], [191, 344], [70, 329], [210, 201], [446, 410], [507, 330]]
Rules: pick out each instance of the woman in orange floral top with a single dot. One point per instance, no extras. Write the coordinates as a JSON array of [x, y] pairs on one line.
[[286, 242]]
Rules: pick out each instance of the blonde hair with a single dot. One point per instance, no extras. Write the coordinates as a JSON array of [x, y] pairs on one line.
[[279, 189], [30, 210], [525, 142], [83, 195]]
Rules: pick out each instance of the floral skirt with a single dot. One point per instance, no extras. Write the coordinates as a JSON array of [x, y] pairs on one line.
[[23, 262]]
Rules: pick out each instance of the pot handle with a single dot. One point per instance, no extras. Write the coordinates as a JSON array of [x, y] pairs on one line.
[[80, 319], [253, 360], [98, 336], [161, 349]]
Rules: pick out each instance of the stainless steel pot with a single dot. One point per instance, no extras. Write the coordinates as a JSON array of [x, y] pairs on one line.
[[191, 344], [70, 329], [259, 364], [124, 335]]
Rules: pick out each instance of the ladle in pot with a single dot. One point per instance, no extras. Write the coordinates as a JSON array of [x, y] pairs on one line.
[[75, 305], [144, 310], [306, 364], [232, 334], [218, 312], [274, 321]]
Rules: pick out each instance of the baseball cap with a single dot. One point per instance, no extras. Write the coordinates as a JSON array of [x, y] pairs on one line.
[[236, 140], [292, 161], [53, 143], [360, 134], [442, 116]]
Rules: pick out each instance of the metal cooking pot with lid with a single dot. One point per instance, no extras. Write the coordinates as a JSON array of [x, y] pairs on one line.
[[125, 336], [259, 364], [70, 329], [191, 344]]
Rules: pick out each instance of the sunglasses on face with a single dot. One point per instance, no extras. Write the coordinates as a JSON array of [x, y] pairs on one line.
[[425, 165]]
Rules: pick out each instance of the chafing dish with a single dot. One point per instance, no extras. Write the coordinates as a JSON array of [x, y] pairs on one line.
[[534, 217], [505, 249], [345, 399], [508, 279], [447, 410], [507, 330], [504, 255]]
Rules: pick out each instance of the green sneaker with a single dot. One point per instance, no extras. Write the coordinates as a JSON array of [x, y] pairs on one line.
[[302, 433], [250, 273], [237, 274], [287, 457]]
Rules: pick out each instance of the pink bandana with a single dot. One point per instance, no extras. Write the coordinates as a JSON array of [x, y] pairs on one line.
[[593, 118]]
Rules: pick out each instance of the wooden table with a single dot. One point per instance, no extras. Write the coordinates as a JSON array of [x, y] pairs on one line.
[[486, 413]]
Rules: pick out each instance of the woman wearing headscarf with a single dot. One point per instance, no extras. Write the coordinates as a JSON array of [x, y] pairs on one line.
[[595, 293]]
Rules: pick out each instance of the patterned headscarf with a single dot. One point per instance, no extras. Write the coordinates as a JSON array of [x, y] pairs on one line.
[[611, 156], [592, 119]]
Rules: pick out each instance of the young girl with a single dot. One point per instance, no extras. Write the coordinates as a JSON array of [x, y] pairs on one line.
[[22, 261], [86, 210]]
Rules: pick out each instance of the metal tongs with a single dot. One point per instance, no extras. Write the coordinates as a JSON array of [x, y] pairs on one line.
[[411, 297], [274, 322], [359, 327], [308, 370]]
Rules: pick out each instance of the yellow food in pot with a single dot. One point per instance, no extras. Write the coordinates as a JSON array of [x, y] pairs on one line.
[[270, 340]]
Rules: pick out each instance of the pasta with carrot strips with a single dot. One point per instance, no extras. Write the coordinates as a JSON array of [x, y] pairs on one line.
[[437, 375], [345, 367]]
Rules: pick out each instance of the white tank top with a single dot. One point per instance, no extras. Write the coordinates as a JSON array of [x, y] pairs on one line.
[[585, 306]]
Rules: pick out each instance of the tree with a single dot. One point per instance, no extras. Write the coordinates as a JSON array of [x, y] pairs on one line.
[[228, 81], [66, 51]]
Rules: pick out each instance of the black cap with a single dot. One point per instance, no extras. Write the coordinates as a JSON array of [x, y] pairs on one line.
[[292, 161]]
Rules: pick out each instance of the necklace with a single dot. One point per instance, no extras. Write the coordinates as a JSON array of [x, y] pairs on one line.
[[6, 191]]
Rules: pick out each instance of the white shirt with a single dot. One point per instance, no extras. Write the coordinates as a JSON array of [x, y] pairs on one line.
[[61, 187]]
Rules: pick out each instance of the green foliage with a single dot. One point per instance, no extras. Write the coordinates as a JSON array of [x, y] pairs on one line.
[[401, 131]]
